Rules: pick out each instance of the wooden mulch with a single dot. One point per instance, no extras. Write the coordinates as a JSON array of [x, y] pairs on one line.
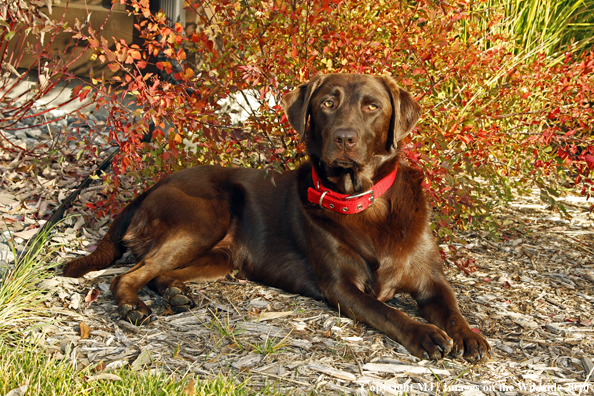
[[531, 295]]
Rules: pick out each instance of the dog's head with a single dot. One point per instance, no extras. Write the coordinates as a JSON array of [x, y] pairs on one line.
[[352, 124]]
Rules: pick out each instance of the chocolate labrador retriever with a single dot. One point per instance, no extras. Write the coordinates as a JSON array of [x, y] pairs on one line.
[[351, 226]]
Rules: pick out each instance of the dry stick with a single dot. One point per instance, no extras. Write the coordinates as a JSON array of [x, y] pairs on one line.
[[541, 342], [282, 378], [356, 360], [59, 212], [204, 296], [529, 255], [581, 244], [233, 305]]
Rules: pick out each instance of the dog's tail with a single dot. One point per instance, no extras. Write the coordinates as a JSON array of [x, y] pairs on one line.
[[110, 248]]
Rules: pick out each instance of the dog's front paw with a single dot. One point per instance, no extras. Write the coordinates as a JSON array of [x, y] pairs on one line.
[[472, 346], [427, 341]]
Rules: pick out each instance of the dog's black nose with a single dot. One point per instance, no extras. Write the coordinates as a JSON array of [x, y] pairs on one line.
[[345, 138]]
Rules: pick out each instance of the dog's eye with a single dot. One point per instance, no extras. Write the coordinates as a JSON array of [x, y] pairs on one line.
[[373, 107], [328, 103]]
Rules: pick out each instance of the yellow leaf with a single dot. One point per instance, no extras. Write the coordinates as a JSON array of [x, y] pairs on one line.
[[190, 389], [85, 330]]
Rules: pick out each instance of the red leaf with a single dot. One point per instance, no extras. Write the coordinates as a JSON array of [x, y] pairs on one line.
[[553, 114], [589, 160], [76, 90]]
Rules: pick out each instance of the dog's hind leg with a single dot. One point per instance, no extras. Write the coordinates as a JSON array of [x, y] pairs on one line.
[[179, 250], [211, 266]]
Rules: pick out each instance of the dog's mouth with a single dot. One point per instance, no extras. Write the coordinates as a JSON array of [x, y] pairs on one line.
[[344, 173], [343, 162]]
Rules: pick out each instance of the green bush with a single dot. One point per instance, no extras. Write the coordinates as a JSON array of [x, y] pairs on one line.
[[546, 26]]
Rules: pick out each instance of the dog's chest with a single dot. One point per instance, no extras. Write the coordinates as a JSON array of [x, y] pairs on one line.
[[392, 272], [392, 258], [406, 266]]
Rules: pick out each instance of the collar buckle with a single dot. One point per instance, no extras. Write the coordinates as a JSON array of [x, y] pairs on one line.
[[322, 198], [371, 196]]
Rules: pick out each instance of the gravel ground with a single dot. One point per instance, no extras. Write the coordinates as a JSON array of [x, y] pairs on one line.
[[531, 295]]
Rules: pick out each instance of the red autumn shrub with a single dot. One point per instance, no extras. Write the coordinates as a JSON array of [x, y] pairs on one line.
[[494, 122]]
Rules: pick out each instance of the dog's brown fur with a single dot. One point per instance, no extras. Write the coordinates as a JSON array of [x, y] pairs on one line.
[[204, 222]]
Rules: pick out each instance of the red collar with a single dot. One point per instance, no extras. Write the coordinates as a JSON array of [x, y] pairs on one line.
[[347, 204]]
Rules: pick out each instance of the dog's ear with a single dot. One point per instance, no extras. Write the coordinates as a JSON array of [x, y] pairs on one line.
[[296, 103], [405, 112]]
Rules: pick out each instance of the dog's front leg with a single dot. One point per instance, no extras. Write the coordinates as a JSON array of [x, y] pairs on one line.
[[438, 305], [425, 341]]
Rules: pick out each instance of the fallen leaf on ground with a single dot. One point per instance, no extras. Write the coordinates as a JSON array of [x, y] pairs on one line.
[[85, 330], [91, 296], [190, 389], [18, 391]]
